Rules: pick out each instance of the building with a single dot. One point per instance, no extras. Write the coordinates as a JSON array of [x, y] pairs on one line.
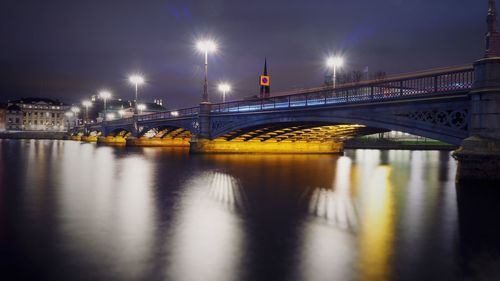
[[3, 117], [36, 114], [14, 118]]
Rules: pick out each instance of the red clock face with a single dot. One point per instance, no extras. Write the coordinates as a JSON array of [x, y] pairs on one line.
[[265, 80]]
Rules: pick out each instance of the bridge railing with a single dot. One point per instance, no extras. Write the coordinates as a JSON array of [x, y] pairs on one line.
[[171, 114], [449, 81]]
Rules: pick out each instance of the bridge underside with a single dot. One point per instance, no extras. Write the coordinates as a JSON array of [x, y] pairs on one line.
[[288, 137], [157, 136]]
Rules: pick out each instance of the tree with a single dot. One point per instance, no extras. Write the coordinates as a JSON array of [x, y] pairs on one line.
[[379, 75]]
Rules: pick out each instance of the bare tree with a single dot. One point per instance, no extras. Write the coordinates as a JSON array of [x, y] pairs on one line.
[[379, 75], [356, 76]]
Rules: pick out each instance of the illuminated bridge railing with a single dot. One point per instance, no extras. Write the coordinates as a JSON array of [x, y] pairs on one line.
[[432, 82], [186, 112]]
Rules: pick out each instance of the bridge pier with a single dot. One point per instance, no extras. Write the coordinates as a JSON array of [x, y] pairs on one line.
[[111, 140], [89, 138], [479, 155], [166, 142]]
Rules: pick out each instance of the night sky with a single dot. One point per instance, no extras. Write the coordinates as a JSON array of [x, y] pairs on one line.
[[69, 49]]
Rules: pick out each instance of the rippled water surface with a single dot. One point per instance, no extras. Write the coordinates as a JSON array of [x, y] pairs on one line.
[[76, 211]]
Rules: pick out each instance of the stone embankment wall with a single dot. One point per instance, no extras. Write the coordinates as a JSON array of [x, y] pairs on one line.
[[33, 135]]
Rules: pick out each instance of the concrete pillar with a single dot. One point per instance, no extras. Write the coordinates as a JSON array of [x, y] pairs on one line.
[[479, 155]]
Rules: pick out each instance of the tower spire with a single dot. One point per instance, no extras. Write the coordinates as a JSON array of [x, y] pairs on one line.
[[492, 36], [265, 87]]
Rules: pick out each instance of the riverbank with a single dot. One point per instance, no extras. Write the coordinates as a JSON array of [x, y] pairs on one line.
[[33, 135], [365, 143]]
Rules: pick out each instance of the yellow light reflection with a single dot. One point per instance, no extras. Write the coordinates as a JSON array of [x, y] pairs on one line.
[[207, 239], [377, 230]]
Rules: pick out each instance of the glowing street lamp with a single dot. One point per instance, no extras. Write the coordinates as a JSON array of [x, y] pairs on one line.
[[110, 116], [141, 107], [75, 111], [334, 63], [224, 88], [86, 104], [136, 80], [105, 95], [206, 46]]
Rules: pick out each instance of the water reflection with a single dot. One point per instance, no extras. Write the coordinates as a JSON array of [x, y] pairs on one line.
[[110, 198], [377, 230], [336, 205], [104, 213], [207, 238], [224, 189]]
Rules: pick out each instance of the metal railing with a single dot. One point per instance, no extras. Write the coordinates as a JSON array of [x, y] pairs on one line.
[[171, 114], [445, 81], [449, 80]]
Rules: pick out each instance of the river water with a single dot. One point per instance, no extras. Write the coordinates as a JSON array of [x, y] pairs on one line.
[[77, 211]]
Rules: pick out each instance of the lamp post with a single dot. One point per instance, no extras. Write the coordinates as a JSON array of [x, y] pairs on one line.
[[69, 114], [206, 46], [136, 80], [141, 107], [334, 63], [86, 104], [224, 88], [75, 111], [105, 95]]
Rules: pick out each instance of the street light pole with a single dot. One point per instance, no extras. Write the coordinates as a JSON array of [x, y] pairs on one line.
[[205, 85], [224, 88], [105, 95], [86, 103], [205, 47], [136, 80], [334, 62]]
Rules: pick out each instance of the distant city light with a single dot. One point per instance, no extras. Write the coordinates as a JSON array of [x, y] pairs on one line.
[[75, 109], [69, 114], [174, 113], [121, 112]]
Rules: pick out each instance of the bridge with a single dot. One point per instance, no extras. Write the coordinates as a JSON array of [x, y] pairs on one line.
[[433, 104], [457, 105]]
